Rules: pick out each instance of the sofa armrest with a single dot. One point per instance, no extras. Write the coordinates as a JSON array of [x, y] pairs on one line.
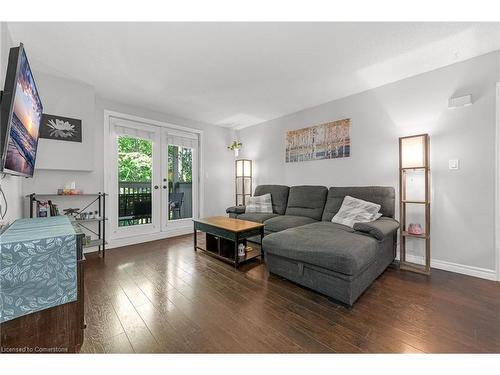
[[379, 228], [236, 210]]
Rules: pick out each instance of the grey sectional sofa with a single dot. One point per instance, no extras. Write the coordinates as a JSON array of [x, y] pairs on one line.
[[304, 246]]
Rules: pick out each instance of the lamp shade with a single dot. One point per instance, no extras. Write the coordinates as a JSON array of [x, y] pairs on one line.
[[413, 151], [243, 168]]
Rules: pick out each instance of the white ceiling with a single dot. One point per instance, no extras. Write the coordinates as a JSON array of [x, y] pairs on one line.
[[240, 74]]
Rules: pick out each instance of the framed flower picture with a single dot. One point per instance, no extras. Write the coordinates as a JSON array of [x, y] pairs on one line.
[[61, 128]]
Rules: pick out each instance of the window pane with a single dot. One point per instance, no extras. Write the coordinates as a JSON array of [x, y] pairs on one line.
[[134, 180], [180, 182]]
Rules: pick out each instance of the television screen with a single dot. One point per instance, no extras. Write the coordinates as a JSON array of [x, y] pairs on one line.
[[22, 110]]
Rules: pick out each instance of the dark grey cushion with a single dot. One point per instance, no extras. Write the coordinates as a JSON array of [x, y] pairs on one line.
[[236, 210], [282, 222], [328, 245], [279, 196], [306, 201], [378, 229], [256, 216], [382, 195]]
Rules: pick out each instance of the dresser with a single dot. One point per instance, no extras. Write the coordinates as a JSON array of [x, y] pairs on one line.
[[41, 286]]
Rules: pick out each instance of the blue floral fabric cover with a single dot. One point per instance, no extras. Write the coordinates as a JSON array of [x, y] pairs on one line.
[[37, 266]]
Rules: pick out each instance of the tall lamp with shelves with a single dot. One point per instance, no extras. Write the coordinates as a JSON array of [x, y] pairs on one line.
[[414, 157], [243, 177]]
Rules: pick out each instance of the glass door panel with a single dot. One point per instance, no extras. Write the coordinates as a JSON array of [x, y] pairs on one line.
[[154, 180], [180, 182], [135, 171], [135, 175]]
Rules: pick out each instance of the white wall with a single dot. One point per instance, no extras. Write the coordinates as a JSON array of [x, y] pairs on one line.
[[61, 162], [58, 162], [462, 209], [11, 185], [73, 99]]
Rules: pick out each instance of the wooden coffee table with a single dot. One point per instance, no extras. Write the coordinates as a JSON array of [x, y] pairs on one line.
[[223, 234]]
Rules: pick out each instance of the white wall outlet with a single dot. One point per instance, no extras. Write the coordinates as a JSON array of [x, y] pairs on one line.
[[453, 164]]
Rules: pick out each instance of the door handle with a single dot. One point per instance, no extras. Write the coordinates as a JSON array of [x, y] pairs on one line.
[[164, 186], [156, 186]]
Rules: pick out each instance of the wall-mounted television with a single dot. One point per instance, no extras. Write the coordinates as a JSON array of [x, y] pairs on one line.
[[20, 117]]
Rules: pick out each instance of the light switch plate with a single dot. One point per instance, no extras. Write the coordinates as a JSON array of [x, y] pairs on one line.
[[454, 164]]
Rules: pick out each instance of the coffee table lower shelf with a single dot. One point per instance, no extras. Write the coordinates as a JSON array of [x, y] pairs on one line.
[[255, 253]]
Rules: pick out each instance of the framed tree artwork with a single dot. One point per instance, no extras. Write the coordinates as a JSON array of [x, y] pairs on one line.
[[325, 141]]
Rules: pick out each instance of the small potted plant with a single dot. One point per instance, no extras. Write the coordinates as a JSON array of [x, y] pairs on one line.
[[235, 146]]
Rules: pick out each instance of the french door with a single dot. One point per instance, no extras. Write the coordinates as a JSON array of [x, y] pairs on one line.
[[153, 181], [180, 177]]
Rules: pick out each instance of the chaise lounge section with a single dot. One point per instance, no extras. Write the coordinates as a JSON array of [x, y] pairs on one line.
[[304, 246]]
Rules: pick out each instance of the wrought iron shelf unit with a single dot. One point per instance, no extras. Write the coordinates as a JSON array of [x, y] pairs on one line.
[[98, 199]]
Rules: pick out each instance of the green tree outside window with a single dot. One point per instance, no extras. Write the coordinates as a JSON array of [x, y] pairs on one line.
[[135, 161]]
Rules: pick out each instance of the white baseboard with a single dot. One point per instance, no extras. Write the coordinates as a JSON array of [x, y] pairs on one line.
[[482, 273], [144, 238]]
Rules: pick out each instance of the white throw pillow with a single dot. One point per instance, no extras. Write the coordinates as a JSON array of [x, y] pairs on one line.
[[355, 210], [260, 204]]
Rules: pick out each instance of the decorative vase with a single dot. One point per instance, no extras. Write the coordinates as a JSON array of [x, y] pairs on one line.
[[241, 250]]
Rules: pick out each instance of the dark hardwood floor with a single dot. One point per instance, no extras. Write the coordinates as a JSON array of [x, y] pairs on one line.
[[162, 297]]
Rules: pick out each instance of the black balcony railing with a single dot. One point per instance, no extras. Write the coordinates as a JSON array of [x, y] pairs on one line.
[[134, 202]]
